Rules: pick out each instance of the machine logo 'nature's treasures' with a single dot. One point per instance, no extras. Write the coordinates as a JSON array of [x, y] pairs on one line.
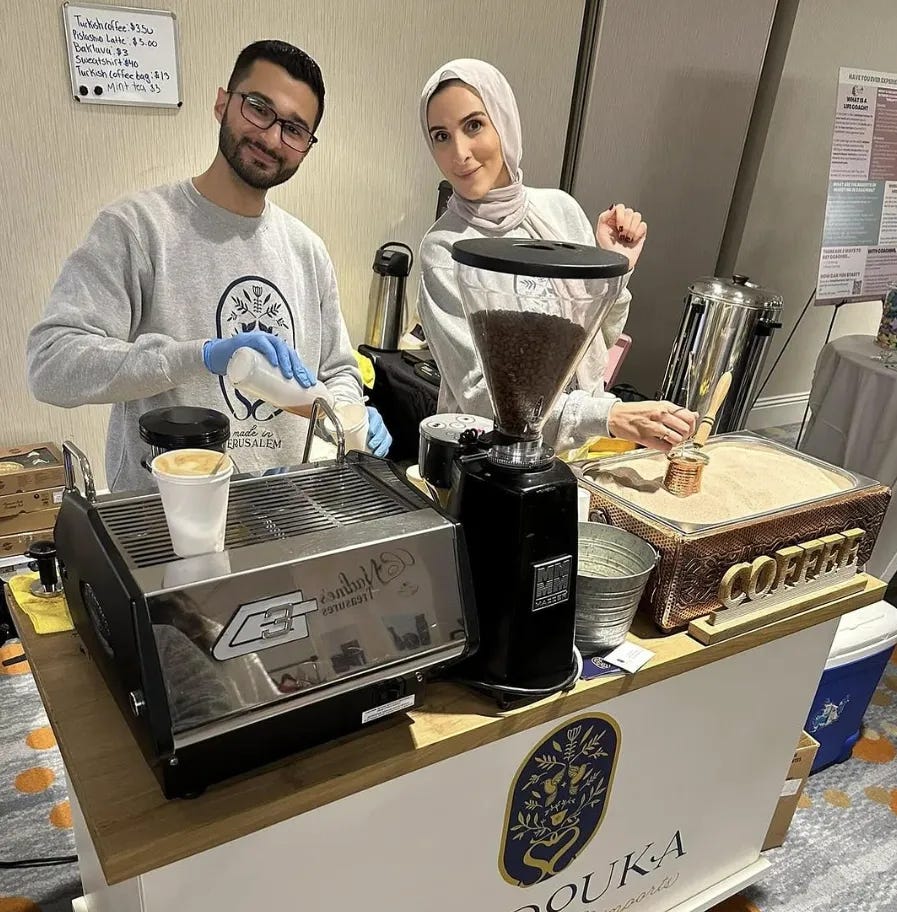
[[557, 801]]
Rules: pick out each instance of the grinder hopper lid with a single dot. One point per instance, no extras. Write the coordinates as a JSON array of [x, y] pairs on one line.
[[537, 257]]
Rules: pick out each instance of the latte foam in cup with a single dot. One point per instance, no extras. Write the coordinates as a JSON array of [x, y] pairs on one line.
[[191, 463]]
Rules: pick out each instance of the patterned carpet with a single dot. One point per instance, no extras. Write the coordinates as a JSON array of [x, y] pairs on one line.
[[34, 808]]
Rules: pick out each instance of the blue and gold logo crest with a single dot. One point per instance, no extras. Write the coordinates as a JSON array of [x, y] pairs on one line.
[[558, 799]]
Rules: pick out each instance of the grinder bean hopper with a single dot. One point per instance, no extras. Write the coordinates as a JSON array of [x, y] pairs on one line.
[[533, 307]]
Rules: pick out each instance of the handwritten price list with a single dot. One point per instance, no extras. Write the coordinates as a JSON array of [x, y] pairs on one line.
[[122, 56]]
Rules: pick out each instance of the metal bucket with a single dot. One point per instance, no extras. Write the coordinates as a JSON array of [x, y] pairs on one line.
[[614, 568]]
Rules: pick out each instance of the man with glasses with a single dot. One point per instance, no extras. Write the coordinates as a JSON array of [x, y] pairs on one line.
[[170, 282]]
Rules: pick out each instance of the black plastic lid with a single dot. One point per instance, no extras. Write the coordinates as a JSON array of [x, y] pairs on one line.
[[180, 426], [391, 262], [535, 257]]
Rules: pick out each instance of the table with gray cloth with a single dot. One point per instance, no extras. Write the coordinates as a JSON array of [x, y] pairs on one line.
[[854, 425]]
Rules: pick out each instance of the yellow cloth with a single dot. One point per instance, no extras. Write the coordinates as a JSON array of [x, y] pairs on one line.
[[366, 367], [48, 615], [598, 448]]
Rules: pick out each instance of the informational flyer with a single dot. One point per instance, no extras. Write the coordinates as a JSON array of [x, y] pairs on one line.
[[859, 240]]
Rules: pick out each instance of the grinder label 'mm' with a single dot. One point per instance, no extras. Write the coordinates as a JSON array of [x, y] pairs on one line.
[[551, 582]]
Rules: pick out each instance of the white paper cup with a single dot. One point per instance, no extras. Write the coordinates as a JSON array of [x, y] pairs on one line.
[[583, 503], [196, 569], [412, 473], [353, 416], [195, 505]]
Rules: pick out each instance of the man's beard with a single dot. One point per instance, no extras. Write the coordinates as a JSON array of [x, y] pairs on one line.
[[260, 178]]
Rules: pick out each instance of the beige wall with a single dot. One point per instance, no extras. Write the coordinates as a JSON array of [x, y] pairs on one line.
[[674, 85], [783, 228], [368, 181]]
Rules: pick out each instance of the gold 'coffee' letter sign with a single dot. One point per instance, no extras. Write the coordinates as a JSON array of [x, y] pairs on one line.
[[788, 573]]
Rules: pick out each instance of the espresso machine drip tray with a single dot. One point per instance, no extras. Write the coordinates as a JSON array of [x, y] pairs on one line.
[[340, 589]]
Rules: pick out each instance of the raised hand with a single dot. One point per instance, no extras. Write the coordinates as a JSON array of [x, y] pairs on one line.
[[621, 230]]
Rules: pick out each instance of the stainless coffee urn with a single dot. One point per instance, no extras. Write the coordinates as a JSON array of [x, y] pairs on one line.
[[727, 326], [386, 307]]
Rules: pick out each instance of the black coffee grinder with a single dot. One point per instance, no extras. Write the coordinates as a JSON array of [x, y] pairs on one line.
[[533, 308]]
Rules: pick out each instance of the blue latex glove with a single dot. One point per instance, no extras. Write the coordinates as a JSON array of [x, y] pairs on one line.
[[379, 439], [216, 354]]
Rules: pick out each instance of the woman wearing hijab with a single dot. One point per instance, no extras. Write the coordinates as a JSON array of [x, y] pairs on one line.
[[470, 120]]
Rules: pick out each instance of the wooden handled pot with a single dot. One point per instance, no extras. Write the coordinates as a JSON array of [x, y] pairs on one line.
[[686, 461]]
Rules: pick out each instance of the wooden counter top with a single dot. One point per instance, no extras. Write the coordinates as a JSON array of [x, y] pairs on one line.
[[134, 829]]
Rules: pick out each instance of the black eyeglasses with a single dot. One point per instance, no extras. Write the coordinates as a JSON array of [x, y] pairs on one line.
[[260, 114]]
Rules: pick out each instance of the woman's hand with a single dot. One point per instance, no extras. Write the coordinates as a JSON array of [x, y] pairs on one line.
[[621, 230], [656, 425]]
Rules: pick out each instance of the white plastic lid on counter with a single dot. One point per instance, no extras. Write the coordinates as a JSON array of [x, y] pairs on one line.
[[863, 633]]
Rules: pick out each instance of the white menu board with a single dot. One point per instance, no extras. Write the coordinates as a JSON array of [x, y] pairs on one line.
[[859, 241], [122, 56]]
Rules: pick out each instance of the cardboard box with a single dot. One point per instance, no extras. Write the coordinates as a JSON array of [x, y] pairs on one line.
[[804, 755], [798, 773], [29, 502], [11, 545], [28, 522], [31, 468]]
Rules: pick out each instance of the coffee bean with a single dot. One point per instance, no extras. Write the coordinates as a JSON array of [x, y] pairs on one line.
[[527, 356]]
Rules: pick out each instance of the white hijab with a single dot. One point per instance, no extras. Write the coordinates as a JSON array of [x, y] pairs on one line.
[[508, 207]]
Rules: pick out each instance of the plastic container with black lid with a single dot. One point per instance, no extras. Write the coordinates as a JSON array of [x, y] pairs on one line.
[[181, 427]]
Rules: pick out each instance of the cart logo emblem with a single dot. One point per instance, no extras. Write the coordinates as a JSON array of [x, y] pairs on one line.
[[558, 799]]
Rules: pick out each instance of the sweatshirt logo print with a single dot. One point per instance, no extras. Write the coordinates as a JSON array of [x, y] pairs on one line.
[[252, 303]]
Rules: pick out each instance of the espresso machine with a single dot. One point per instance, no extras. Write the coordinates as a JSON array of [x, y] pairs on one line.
[[339, 592], [533, 307]]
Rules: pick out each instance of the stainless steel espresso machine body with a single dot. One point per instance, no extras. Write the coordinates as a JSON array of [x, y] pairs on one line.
[[339, 590], [533, 308], [727, 326]]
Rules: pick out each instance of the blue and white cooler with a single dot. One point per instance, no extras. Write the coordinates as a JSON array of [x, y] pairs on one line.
[[857, 660]]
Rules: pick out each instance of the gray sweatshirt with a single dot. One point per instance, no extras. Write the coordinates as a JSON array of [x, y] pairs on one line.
[[159, 273], [578, 416]]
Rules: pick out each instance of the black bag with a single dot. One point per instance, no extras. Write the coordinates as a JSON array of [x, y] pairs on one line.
[[405, 392], [627, 393]]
